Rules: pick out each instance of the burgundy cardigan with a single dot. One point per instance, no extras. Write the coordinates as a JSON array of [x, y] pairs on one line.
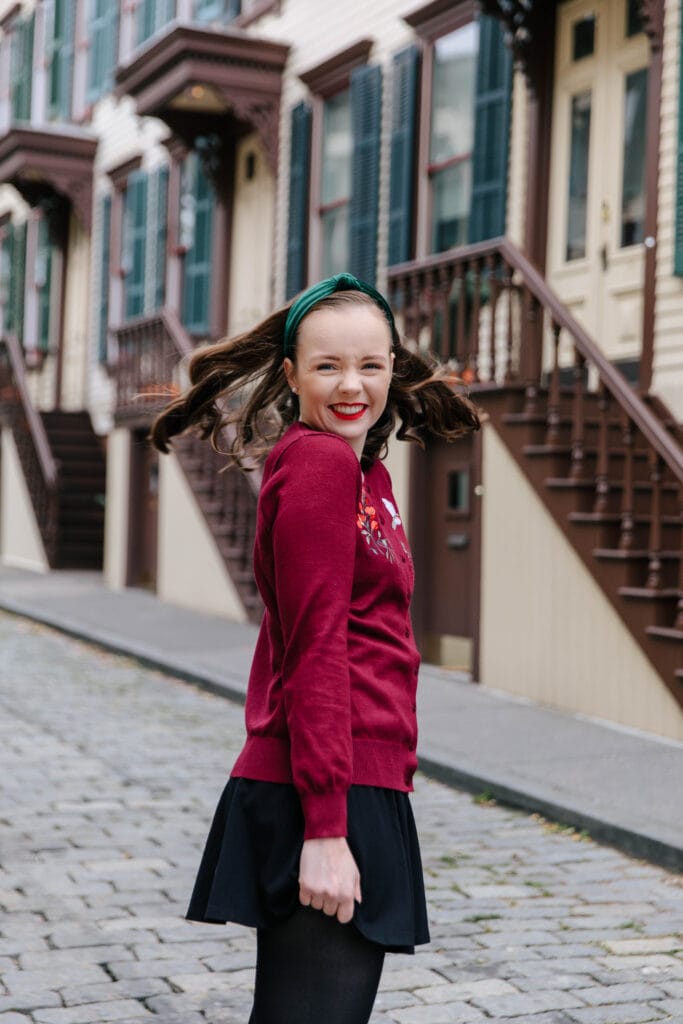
[[331, 697]]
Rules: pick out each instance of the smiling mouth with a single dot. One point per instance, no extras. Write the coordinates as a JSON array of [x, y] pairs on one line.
[[348, 412]]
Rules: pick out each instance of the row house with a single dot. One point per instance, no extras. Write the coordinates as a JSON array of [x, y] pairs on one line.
[[508, 172]]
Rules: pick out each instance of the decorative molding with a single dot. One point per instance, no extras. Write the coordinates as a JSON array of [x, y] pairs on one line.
[[119, 175], [652, 13], [50, 168], [334, 74], [439, 17]]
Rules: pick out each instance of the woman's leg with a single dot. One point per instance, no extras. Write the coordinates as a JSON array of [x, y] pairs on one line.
[[313, 970]]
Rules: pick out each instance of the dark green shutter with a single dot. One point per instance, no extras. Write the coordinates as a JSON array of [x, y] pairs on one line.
[[678, 235], [152, 15], [61, 48], [134, 237], [197, 263], [103, 37], [18, 280], [366, 125], [403, 152], [299, 184], [491, 133], [43, 279], [105, 244], [158, 227], [21, 68], [7, 269]]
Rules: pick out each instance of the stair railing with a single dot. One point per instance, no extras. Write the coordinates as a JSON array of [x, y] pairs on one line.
[[41, 471], [486, 311]]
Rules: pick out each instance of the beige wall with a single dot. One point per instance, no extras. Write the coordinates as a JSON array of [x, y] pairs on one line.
[[251, 240], [547, 631], [20, 542], [190, 570], [116, 509], [668, 356], [77, 299]]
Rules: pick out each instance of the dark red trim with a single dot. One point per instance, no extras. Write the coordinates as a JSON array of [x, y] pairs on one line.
[[334, 74]]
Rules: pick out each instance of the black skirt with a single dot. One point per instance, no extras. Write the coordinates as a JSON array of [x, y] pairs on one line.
[[249, 871]]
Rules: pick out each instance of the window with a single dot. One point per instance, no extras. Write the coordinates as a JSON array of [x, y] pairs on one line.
[[452, 136], [335, 185], [103, 35], [633, 182], [144, 242], [21, 67], [217, 10], [42, 279], [463, 70], [152, 16], [345, 120], [197, 202], [59, 50], [13, 269], [579, 149]]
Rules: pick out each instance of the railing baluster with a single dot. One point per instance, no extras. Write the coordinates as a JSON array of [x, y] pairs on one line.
[[472, 356], [492, 277], [533, 326], [578, 418], [459, 345], [444, 312], [509, 374], [627, 498], [602, 468], [654, 568], [553, 415], [679, 616]]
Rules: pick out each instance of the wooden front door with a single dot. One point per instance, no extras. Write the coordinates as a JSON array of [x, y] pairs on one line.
[[597, 191], [447, 530], [143, 513]]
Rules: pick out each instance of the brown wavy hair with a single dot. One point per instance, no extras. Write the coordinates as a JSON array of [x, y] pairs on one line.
[[240, 384]]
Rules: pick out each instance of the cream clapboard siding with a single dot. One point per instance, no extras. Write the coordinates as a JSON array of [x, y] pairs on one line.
[[547, 631], [20, 542], [668, 352]]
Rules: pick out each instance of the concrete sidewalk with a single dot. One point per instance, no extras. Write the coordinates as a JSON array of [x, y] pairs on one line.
[[623, 787]]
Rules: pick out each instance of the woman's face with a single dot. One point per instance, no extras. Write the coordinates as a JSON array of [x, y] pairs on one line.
[[342, 370]]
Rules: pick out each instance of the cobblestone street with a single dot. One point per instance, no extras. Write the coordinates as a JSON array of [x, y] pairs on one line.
[[109, 774]]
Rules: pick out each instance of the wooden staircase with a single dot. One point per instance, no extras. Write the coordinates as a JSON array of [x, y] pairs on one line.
[[150, 349], [606, 462], [80, 489], [63, 465]]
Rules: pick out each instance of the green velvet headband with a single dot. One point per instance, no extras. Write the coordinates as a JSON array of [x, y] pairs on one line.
[[312, 296]]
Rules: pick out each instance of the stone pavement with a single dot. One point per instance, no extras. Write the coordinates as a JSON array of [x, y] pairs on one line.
[[622, 786], [109, 775]]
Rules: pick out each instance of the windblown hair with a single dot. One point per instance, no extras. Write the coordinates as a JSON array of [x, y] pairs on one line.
[[238, 391]]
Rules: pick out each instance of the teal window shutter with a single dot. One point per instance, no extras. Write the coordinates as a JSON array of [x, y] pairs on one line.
[[403, 152], [6, 272], [152, 15], [103, 38], [21, 68], [105, 243], [492, 133], [366, 124], [43, 283], [159, 231], [299, 186], [18, 280], [134, 237], [678, 233], [61, 52], [198, 209]]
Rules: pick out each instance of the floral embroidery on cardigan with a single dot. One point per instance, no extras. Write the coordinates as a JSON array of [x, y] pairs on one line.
[[369, 527]]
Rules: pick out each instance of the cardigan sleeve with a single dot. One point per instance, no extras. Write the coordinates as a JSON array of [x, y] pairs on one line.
[[314, 547]]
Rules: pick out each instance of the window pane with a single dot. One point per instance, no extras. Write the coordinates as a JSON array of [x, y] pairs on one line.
[[459, 490], [453, 89], [578, 176], [335, 225], [583, 39], [337, 148], [634, 21], [633, 190], [451, 195]]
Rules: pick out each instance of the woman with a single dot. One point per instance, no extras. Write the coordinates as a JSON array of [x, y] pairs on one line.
[[313, 841]]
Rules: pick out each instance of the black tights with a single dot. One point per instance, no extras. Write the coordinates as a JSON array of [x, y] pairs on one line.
[[313, 970]]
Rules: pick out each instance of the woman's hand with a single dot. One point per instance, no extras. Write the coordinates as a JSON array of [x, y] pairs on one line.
[[329, 879]]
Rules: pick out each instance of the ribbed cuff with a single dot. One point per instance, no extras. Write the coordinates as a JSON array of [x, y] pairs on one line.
[[324, 814]]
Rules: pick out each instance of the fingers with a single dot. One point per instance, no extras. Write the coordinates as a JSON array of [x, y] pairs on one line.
[[332, 906]]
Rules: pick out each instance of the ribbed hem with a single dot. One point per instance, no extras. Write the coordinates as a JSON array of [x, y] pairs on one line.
[[324, 814]]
